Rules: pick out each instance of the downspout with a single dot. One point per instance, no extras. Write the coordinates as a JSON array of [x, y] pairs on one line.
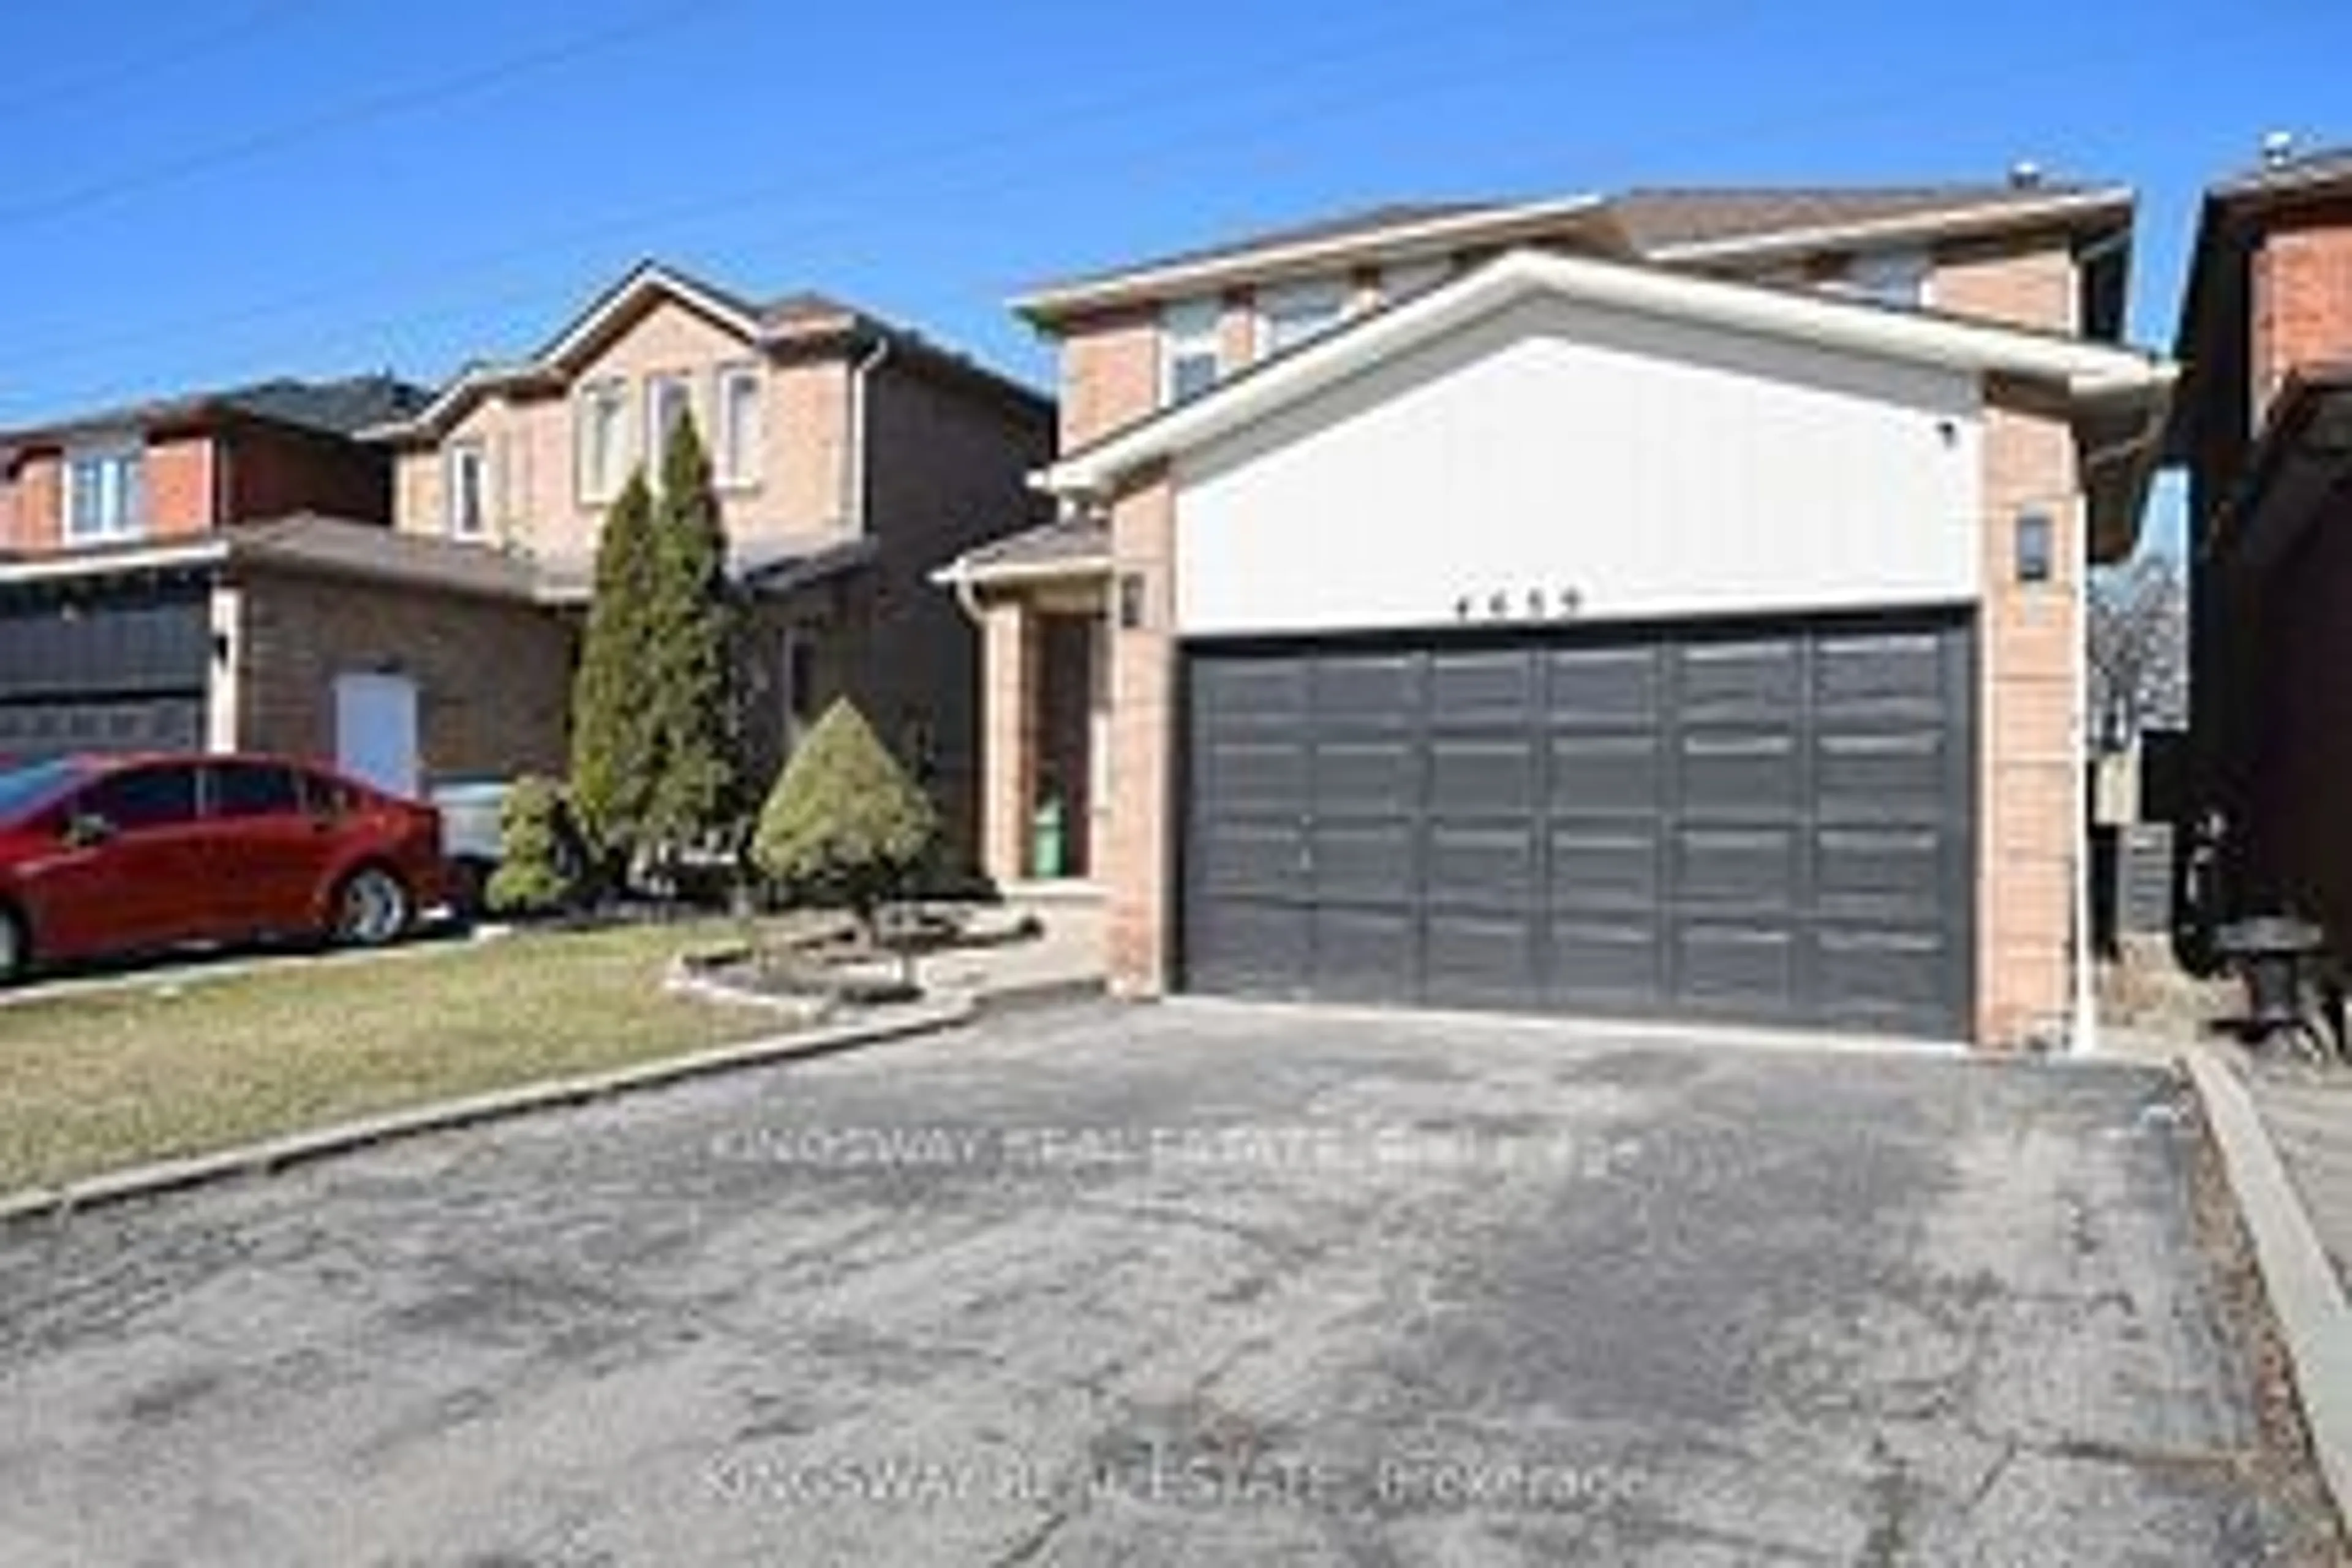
[[854, 471]]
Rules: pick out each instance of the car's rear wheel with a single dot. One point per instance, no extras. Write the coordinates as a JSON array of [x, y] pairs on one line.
[[372, 908], [15, 947]]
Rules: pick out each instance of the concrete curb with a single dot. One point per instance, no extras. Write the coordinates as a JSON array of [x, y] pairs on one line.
[[927, 1016], [2305, 1294]]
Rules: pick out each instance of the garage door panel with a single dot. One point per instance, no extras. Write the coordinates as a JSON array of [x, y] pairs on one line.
[[1737, 680], [1366, 953], [1362, 859], [1740, 868], [1770, 823], [1483, 772], [1475, 688], [1606, 773], [1740, 773], [1371, 775], [1891, 775], [119, 670], [1612, 688], [1480, 868], [1893, 975], [1484, 960], [1743, 968], [1617, 961], [1604, 865]]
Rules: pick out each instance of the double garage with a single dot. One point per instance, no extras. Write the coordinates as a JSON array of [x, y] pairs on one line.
[[110, 665], [1745, 819], [1581, 637]]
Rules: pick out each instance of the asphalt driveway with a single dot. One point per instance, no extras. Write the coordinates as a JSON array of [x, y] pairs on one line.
[[1187, 1284]]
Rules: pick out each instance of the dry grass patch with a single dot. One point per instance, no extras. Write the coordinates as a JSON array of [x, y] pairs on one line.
[[99, 1079]]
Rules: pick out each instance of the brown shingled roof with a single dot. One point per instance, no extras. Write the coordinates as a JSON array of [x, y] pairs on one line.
[[1664, 217]]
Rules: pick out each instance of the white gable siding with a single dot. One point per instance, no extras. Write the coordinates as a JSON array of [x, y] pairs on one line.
[[1653, 468]]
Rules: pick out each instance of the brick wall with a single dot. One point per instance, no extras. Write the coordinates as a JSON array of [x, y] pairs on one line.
[[1135, 850], [2023, 284], [1110, 373], [272, 472], [31, 504], [2301, 300], [2029, 834], [179, 481], [493, 676]]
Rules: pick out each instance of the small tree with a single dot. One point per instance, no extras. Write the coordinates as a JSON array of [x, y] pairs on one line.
[[688, 691], [844, 824], [538, 853], [612, 736], [2138, 647]]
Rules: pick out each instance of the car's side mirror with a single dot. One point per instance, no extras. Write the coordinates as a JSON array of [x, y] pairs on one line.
[[86, 830]]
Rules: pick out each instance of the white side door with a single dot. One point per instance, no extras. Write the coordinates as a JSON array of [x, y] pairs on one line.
[[375, 729]]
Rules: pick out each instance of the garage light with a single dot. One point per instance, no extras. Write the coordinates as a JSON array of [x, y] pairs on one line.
[[2036, 554]]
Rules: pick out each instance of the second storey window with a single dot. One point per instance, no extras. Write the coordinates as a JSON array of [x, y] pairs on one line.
[[465, 485], [1290, 313], [106, 493], [670, 403], [603, 440], [739, 454], [1188, 350], [1889, 277]]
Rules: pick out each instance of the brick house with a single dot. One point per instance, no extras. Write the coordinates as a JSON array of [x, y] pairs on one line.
[[850, 457], [216, 570], [2263, 424], [1665, 605]]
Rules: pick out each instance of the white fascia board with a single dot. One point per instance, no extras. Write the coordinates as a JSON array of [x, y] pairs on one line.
[[161, 557], [1947, 222], [1435, 234], [2083, 370]]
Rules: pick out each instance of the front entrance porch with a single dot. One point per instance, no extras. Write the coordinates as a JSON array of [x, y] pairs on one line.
[[1040, 601]]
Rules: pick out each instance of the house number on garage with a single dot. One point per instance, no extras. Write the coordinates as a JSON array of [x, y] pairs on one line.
[[1530, 604]]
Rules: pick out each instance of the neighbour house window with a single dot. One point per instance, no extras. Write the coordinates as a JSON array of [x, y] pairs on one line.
[[465, 482], [603, 440], [1290, 313], [670, 403], [739, 426], [1188, 350], [106, 493], [1889, 277]]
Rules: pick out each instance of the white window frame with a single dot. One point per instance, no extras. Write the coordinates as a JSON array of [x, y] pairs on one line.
[[1889, 277], [1189, 330], [737, 465], [455, 458], [598, 484], [1290, 314], [121, 507], [657, 437]]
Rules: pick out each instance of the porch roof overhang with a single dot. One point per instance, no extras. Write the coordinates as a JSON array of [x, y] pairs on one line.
[[2115, 398], [2300, 463], [1064, 552]]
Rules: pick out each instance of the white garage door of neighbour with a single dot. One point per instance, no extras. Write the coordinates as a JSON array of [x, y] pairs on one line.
[[375, 729]]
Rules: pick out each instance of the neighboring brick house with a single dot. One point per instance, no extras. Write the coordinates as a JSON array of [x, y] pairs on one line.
[[216, 570], [850, 458], [1668, 603], [2263, 424]]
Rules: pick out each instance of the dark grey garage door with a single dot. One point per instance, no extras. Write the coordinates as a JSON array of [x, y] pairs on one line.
[[113, 671], [1763, 822]]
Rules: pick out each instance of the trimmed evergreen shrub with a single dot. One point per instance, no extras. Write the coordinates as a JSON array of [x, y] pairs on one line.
[[539, 870], [843, 824], [613, 753]]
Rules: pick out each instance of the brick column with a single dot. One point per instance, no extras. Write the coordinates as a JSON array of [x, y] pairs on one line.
[[1135, 850], [1008, 737], [2028, 833]]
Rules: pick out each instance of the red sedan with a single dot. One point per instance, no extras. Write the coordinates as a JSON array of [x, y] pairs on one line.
[[116, 855]]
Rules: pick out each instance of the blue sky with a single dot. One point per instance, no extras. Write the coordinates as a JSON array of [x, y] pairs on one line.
[[206, 191]]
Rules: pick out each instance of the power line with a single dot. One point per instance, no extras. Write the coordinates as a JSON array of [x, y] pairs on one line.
[[97, 84], [383, 106]]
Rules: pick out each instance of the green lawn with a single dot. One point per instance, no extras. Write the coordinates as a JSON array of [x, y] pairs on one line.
[[112, 1076]]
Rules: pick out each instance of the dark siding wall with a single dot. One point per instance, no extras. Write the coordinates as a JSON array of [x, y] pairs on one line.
[[273, 472], [2296, 777], [949, 462]]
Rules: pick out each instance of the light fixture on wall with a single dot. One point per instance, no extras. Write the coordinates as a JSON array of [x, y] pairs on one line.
[[2036, 547], [1131, 601]]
